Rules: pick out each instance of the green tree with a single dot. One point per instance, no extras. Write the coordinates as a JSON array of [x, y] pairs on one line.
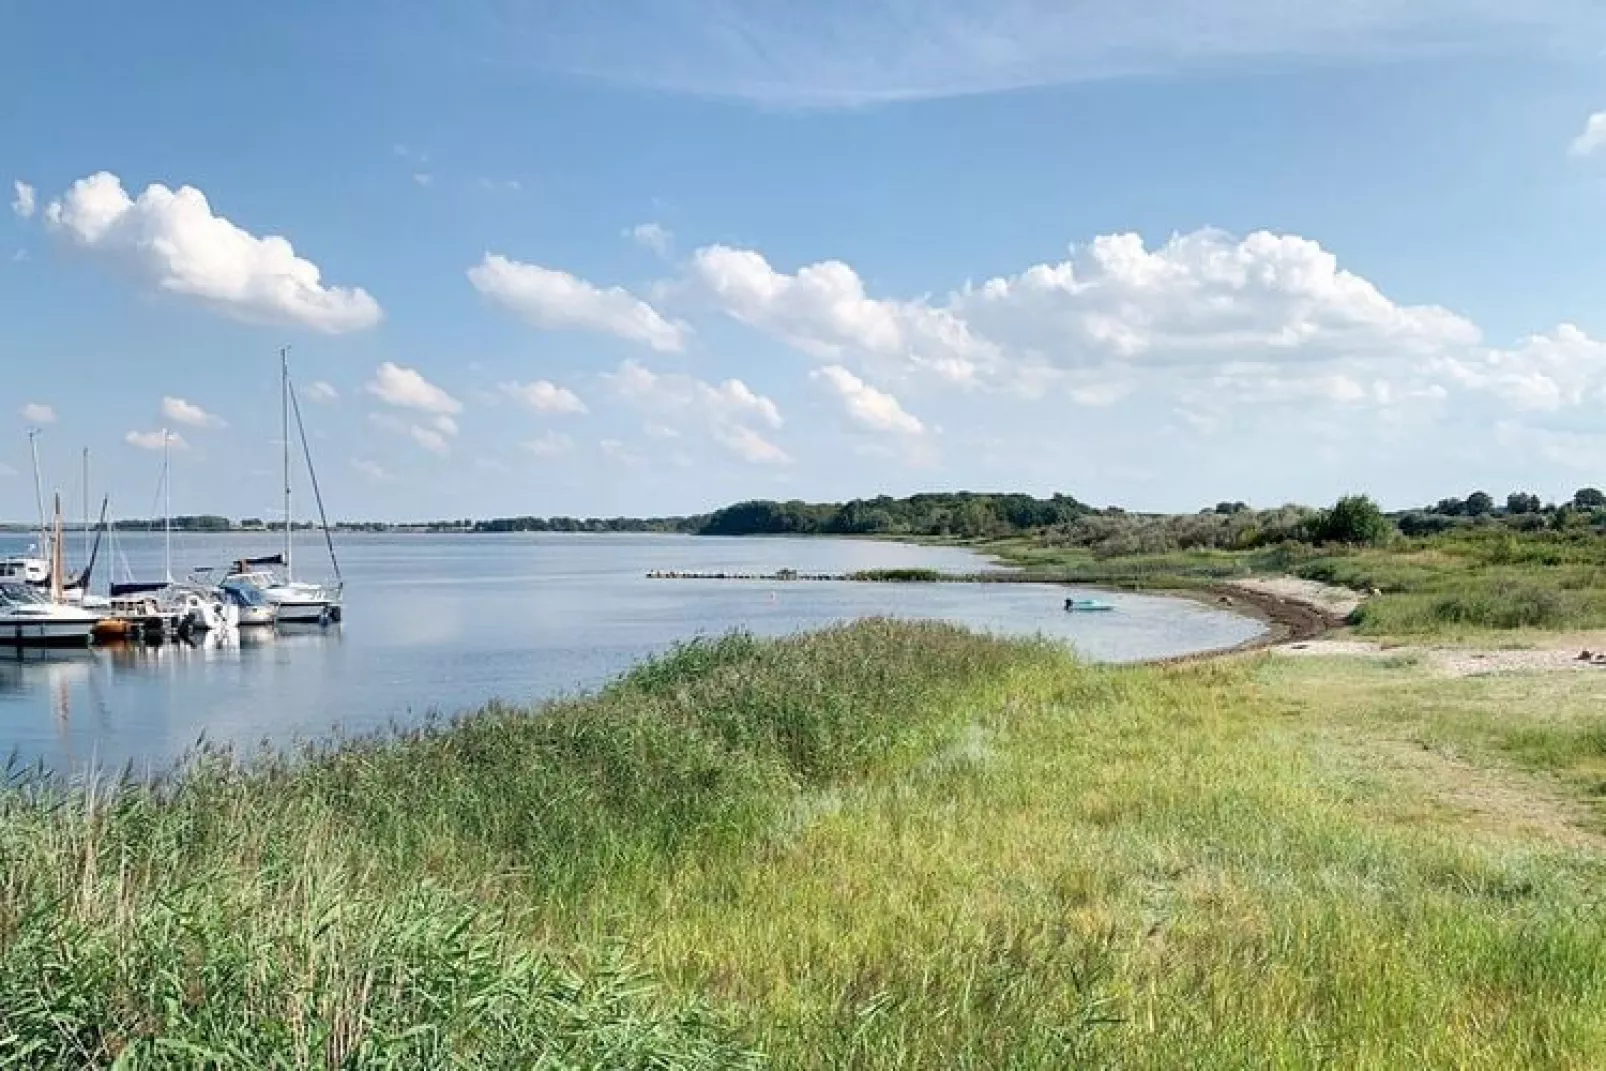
[[1355, 520], [1480, 504], [1589, 498]]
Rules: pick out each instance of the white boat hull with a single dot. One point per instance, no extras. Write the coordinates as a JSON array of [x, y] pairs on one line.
[[46, 632], [298, 612]]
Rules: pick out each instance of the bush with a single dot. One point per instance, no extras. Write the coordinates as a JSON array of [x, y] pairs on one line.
[[1354, 520]]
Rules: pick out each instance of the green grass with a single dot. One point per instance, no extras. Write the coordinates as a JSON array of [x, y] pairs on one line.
[[880, 846]]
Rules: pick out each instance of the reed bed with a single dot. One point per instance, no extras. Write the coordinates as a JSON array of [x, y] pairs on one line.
[[884, 845]]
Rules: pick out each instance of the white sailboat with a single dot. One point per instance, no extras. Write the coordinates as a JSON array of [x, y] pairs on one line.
[[29, 618], [295, 602]]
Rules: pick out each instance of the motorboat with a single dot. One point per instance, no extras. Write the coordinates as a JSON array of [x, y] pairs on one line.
[[293, 602], [251, 607], [27, 618], [1087, 606]]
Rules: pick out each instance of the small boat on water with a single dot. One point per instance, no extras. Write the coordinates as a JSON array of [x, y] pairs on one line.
[[1086, 606], [271, 579], [29, 619]]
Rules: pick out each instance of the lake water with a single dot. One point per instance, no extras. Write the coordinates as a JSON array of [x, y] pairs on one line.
[[444, 623]]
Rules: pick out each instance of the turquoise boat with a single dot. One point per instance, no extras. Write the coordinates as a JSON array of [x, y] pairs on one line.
[[1086, 605]]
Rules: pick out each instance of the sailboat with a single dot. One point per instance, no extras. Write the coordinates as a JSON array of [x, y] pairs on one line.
[[42, 565], [159, 606], [273, 576], [28, 618]]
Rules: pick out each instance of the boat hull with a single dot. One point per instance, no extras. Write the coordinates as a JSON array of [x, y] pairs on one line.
[[305, 613], [46, 633]]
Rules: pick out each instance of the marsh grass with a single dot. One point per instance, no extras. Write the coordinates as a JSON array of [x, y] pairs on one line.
[[881, 846]]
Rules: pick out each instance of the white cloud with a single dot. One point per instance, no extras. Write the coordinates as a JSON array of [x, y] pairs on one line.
[[749, 445], [1546, 372], [373, 470], [824, 310], [552, 444], [432, 439], [724, 411], [845, 53], [153, 440], [654, 430], [24, 201], [320, 392], [553, 300], [653, 236], [1592, 138], [868, 407], [38, 413], [175, 241], [544, 397], [182, 412], [1202, 297], [406, 388], [423, 178]]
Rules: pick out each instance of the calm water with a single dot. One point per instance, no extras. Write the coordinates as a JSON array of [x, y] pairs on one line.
[[443, 623]]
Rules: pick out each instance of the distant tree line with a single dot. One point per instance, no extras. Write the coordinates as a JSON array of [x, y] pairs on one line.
[[961, 514]]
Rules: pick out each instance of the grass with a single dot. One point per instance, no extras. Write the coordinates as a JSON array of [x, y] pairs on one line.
[[886, 845], [1469, 582]]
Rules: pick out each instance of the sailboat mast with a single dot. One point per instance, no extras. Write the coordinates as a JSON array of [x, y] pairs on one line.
[[284, 428], [167, 508], [38, 490], [86, 503]]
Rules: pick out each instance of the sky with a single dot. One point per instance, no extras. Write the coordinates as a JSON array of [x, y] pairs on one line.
[[654, 256]]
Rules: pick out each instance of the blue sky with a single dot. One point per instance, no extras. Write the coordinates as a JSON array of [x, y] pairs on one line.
[[535, 256]]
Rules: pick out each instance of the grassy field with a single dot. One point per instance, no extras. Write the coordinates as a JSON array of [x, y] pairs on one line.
[[1464, 583], [881, 846]]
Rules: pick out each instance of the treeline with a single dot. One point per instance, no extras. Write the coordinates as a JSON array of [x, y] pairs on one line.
[[588, 524], [961, 514], [205, 522]]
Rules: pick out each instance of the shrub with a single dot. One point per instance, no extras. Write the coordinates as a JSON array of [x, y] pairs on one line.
[[1354, 520]]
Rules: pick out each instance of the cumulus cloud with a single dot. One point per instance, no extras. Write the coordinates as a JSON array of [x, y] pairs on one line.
[[653, 236], [154, 440], [38, 413], [555, 300], [1200, 297], [372, 470], [544, 397], [750, 446], [726, 412], [868, 407], [406, 388], [175, 241], [180, 411], [552, 444], [1592, 138], [23, 202], [1565, 368], [320, 392], [824, 310]]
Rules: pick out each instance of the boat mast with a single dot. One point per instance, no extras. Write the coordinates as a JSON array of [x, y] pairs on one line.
[[86, 503], [57, 560], [38, 491], [167, 508], [284, 428]]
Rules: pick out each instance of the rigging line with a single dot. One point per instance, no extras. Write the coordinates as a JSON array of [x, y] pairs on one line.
[[312, 476]]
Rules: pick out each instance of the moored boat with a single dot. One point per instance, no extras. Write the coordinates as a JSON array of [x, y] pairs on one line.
[[1086, 606], [29, 619]]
